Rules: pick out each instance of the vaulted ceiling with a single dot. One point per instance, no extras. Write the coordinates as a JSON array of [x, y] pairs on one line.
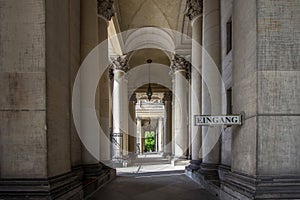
[[145, 13], [161, 14]]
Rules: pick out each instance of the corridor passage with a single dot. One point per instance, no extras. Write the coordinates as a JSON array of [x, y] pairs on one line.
[[153, 186]]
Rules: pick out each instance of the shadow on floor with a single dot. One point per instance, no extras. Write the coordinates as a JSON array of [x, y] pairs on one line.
[[153, 186]]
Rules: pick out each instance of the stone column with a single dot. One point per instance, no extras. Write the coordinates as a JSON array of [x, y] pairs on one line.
[[160, 134], [111, 86], [156, 138], [194, 13], [173, 114], [139, 136], [88, 41], [105, 13], [168, 123], [132, 125], [143, 140], [211, 86], [180, 68], [120, 68], [125, 114]]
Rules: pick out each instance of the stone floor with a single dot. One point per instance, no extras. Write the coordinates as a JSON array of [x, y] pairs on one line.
[[149, 168], [152, 186]]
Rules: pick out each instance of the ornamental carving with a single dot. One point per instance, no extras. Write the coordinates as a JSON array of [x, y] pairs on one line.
[[194, 8], [133, 98], [120, 63], [180, 63], [105, 8], [111, 72], [167, 97]]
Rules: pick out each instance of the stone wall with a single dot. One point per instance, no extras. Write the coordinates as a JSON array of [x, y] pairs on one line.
[[75, 64], [265, 86], [278, 66], [244, 90], [58, 87], [266, 64], [23, 137], [226, 14]]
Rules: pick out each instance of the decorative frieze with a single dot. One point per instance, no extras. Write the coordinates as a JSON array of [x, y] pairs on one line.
[[105, 9], [120, 63], [194, 8]]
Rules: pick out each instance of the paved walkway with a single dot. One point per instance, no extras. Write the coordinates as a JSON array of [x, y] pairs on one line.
[[153, 186], [149, 168]]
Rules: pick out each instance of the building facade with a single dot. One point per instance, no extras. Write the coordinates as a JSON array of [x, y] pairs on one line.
[[78, 93]]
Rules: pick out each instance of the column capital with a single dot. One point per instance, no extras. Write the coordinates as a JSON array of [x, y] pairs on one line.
[[120, 63], [194, 8], [111, 72], [179, 63], [105, 9]]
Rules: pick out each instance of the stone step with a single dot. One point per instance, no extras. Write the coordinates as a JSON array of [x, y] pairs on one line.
[[150, 161]]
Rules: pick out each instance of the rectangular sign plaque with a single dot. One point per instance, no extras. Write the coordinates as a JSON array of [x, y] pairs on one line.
[[208, 120]]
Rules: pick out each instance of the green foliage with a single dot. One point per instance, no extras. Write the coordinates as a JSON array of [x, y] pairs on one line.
[[149, 141]]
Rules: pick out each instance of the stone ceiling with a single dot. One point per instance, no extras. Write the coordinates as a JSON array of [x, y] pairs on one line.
[[165, 14], [153, 13]]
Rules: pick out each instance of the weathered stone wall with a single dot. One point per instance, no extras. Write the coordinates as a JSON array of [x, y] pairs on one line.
[[244, 90], [58, 87], [266, 64], [23, 138], [226, 14], [278, 66], [88, 41], [75, 64]]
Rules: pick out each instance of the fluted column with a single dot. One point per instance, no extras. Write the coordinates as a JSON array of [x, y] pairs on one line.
[[180, 68], [119, 128], [168, 123], [211, 85], [194, 13]]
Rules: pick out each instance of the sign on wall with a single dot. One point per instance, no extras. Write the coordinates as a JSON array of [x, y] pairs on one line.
[[208, 120]]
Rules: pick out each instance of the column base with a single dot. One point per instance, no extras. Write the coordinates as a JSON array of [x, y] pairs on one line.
[[194, 165], [210, 172], [91, 184], [235, 186], [117, 163], [206, 176], [243, 186], [66, 186], [75, 185], [92, 170], [180, 161], [167, 156]]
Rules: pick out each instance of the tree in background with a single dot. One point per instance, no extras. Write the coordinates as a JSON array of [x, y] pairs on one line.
[[149, 141]]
